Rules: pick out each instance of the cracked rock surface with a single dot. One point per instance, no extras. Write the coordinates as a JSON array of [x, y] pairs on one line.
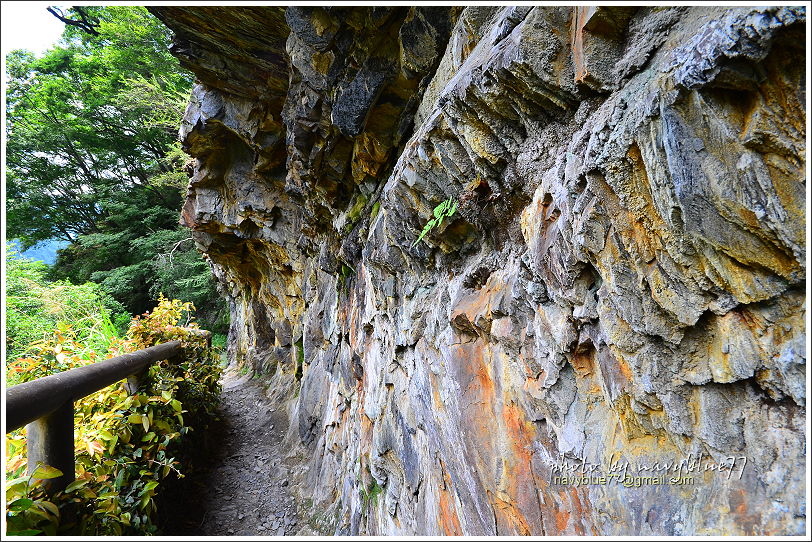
[[622, 283]]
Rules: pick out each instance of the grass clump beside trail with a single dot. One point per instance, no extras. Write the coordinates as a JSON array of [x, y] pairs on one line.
[[36, 308]]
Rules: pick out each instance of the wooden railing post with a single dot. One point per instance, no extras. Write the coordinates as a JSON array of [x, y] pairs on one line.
[[134, 382], [50, 442], [45, 406]]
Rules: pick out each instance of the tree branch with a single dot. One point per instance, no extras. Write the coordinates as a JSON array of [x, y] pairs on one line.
[[163, 257], [84, 23]]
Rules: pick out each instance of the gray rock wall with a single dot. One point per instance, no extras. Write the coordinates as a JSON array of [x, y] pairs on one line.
[[621, 287]]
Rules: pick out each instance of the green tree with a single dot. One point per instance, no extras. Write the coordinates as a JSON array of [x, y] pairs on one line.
[[93, 158], [89, 121]]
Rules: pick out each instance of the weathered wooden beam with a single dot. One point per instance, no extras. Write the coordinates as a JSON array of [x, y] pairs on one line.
[[30, 401], [49, 441]]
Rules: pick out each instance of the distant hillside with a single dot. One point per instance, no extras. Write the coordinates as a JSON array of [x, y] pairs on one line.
[[44, 251]]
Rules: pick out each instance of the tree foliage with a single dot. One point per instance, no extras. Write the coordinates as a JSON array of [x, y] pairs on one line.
[[79, 139], [93, 158]]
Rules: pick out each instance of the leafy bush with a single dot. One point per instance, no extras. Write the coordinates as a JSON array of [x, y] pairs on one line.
[[126, 445]]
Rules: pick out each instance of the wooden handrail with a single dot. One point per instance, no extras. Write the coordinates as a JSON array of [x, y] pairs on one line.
[[33, 400], [45, 405]]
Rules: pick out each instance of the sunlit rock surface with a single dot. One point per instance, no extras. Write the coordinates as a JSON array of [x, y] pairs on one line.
[[623, 281]]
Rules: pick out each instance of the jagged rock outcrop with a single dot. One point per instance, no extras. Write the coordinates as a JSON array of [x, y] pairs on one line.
[[622, 284]]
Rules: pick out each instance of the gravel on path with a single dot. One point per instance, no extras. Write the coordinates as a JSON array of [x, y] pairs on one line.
[[244, 489]]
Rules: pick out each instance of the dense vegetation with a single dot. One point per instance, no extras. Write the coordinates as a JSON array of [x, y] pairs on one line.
[[127, 446], [37, 307], [92, 159]]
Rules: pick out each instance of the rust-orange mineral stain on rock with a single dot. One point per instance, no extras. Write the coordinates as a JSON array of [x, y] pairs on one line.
[[470, 368], [748, 521], [366, 433], [509, 519], [437, 400], [624, 368], [519, 482], [473, 374], [562, 519], [582, 361], [449, 522], [579, 504]]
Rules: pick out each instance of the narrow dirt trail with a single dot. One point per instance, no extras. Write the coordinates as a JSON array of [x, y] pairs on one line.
[[244, 491]]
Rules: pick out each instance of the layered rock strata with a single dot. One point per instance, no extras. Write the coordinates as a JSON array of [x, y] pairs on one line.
[[620, 290]]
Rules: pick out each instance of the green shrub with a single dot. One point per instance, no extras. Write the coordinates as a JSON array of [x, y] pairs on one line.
[[126, 445], [36, 308]]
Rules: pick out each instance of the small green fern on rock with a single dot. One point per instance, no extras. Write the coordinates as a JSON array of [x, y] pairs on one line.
[[444, 210]]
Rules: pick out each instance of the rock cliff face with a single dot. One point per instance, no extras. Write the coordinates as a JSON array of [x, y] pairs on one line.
[[621, 286]]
